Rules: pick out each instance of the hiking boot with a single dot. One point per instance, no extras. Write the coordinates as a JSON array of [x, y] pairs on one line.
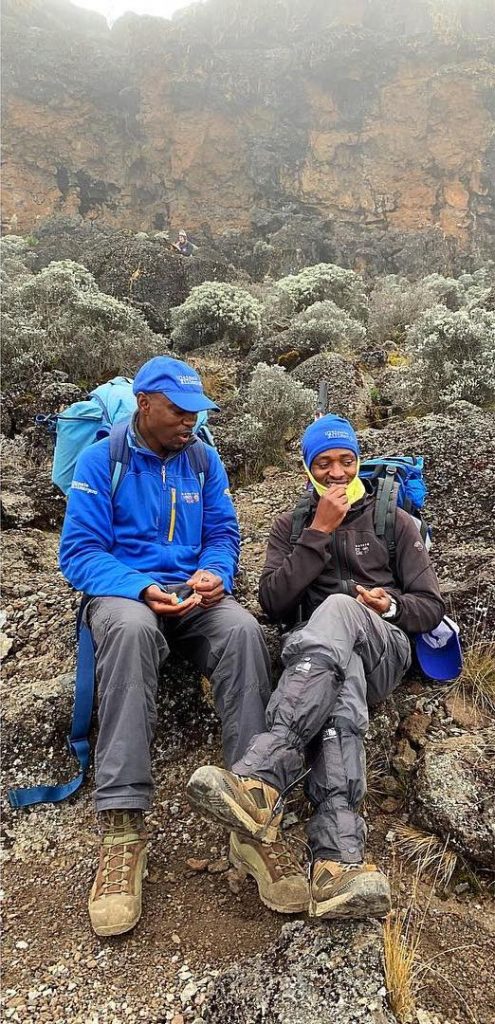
[[245, 805], [348, 890], [282, 882], [115, 899]]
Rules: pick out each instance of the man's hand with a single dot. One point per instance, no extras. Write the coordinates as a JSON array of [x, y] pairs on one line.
[[164, 604], [209, 586], [332, 509], [377, 599]]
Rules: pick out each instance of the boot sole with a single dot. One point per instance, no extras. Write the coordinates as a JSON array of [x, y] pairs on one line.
[[368, 899], [208, 795], [295, 908], [105, 931]]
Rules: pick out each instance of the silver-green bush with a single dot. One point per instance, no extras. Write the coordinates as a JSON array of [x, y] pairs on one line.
[[327, 281], [60, 320], [215, 311], [16, 260], [453, 354], [324, 326], [395, 304], [276, 409]]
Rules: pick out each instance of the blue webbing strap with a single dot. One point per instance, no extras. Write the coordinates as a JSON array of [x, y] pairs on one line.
[[78, 741]]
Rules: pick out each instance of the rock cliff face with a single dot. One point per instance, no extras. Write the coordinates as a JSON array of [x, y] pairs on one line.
[[372, 116]]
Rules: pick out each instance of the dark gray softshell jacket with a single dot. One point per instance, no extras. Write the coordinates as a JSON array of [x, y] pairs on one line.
[[320, 564]]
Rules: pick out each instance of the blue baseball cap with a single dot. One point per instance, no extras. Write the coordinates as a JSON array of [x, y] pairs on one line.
[[439, 652], [178, 381]]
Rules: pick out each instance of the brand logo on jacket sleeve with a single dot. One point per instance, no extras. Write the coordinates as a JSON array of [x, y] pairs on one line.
[[80, 485]]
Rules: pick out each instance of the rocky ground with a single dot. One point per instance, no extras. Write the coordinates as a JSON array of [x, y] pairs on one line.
[[206, 949]]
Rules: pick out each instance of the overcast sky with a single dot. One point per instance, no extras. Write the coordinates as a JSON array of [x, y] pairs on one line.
[[112, 9]]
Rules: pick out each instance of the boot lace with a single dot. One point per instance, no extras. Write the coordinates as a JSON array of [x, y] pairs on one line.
[[286, 861], [121, 834]]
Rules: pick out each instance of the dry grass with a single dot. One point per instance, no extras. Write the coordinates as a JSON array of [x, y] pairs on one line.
[[400, 953], [406, 971], [427, 852], [477, 680]]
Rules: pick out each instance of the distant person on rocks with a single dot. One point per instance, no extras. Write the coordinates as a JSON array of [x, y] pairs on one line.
[[157, 562], [350, 610], [183, 245]]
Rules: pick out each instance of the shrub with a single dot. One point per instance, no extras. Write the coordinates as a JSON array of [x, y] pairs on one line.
[[277, 408], [395, 304], [59, 320], [454, 356], [16, 259], [445, 291], [327, 281], [325, 326], [215, 311]]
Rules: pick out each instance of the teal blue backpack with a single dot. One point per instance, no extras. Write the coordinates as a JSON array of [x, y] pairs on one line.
[[87, 421]]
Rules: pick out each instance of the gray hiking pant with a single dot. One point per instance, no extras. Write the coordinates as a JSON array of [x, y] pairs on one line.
[[132, 643], [344, 659]]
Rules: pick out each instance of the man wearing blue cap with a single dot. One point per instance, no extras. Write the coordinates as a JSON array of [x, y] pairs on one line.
[[350, 609], [158, 561]]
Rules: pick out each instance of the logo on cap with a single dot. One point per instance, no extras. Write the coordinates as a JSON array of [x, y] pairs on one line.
[[192, 379]]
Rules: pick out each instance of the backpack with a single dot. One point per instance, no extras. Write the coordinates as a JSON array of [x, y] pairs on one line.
[[397, 482], [107, 407]]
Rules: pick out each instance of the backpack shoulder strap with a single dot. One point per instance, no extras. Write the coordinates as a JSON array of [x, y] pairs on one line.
[[198, 460], [300, 517], [386, 508], [119, 454]]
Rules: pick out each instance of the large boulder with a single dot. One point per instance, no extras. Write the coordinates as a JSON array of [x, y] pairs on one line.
[[348, 392], [141, 268], [455, 794], [331, 974]]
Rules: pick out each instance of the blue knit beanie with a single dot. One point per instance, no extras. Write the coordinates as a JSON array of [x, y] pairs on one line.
[[328, 432]]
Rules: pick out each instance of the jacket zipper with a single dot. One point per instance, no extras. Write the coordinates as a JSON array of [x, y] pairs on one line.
[[335, 545], [164, 499], [171, 529], [346, 576], [173, 504]]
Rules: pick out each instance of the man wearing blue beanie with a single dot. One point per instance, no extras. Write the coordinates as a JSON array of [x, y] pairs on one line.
[[348, 607], [157, 559]]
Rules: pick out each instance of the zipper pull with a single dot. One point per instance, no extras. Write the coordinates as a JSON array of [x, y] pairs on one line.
[[164, 473]]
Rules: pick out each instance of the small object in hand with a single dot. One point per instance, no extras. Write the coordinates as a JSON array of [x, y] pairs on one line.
[[176, 599]]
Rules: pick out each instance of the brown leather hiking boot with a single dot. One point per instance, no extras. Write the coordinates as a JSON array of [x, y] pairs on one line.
[[115, 899], [282, 882], [245, 805], [348, 890]]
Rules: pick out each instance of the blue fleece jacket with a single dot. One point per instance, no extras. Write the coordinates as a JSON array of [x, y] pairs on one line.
[[160, 526]]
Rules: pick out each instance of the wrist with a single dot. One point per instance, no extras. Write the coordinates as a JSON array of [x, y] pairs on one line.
[[391, 610]]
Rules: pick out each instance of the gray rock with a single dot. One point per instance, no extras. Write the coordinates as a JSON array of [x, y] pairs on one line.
[[329, 973], [348, 392], [455, 794]]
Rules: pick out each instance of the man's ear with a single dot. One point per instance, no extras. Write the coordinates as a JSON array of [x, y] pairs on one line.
[[143, 402]]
